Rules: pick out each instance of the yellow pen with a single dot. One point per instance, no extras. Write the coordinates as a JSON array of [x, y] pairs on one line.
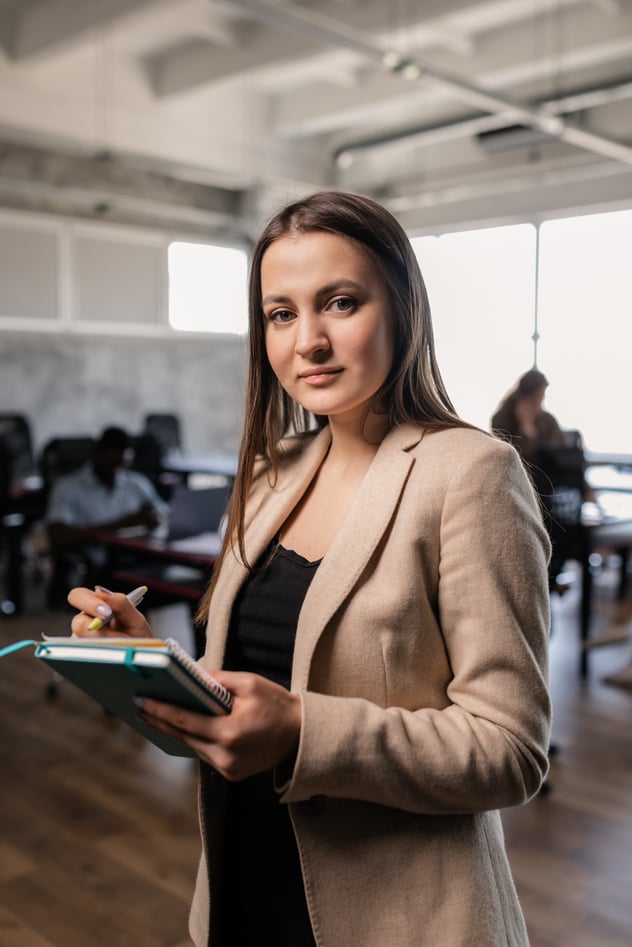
[[135, 597]]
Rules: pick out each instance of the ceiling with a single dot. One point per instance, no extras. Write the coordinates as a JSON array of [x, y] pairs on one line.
[[205, 115]]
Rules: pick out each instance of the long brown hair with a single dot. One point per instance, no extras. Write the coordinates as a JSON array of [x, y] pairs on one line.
[[412, 392]]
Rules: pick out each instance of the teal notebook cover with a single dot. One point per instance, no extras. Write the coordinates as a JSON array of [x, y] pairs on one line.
[[114, 672]]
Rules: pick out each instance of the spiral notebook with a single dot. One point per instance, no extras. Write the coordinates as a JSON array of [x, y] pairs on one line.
[[115, 670]]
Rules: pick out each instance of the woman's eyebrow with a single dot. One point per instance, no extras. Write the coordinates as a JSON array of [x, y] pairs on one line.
[[344, 283], [271, 298], [334, 287]]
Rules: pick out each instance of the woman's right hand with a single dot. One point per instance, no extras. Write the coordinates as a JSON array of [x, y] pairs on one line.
[[122, 618]]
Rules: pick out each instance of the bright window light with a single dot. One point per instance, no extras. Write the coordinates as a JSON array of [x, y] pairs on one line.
[[207, 288], [586, 326], [481, 285]]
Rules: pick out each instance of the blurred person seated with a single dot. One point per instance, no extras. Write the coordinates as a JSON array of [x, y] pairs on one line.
[[103, 496], [536, 434], [522, 420]]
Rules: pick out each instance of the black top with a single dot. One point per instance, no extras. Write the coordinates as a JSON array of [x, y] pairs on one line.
[[265, 615], [262, 897]]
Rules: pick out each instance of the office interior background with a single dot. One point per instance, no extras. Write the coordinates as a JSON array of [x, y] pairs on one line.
[[143, 143], [498, 133]]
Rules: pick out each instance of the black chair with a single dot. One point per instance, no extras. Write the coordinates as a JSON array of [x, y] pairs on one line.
[[12, 525], [16, 432], [61, 456], [558, 477], [147, 459], [22, 503], [166, 429], [170, 579]]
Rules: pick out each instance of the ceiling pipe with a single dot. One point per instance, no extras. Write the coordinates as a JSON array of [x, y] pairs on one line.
[[517, 182], [335, 34], [485, 124]]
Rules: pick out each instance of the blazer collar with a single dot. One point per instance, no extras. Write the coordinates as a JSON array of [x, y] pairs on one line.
[[364, 525]]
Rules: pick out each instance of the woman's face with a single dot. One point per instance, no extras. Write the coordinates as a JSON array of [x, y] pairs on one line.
[[328, 323]]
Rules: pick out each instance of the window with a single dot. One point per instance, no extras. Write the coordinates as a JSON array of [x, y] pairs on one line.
[[207, 288], [481, 285], [585, 319]]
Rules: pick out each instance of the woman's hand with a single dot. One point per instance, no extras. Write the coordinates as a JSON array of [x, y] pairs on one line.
[[122, 618], [261, 732]]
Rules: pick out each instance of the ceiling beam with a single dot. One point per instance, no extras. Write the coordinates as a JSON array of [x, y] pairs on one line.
[[195, 65], [512, 59], [108, 188], [475, 95], [32, 29]]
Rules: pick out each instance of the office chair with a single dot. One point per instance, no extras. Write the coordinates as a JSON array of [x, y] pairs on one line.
[[16, 431], [170, 578], [166, 429], [147, 459], [61, 456], [558, 477], [21, 504], [11, 527]]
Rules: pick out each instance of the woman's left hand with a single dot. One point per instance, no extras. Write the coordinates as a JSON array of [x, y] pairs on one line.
[[261, 731]]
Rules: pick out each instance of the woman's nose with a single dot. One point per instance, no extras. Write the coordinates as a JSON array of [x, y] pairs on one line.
[[311, 339]]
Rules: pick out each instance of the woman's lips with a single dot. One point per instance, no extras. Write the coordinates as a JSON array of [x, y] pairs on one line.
[[321, 376]]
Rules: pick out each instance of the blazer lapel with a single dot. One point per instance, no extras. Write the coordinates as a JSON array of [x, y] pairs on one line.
[[274, 510], [372, 510], [362, 529]]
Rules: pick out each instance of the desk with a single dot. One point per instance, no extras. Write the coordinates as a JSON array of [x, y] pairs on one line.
[[176, 571], [215, 463], [609, 479], [612, 532], [609, 458]]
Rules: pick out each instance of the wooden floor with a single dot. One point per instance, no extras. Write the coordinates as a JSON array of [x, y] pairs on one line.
[[571, 850], [98, 833], [98, 836]]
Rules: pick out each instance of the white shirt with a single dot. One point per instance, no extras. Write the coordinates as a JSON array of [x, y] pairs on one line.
[[81, 499]]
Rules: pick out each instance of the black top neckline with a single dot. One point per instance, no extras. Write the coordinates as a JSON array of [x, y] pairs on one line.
[[296, 557]]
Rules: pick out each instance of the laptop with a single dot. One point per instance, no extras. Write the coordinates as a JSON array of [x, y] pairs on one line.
[[196, 511]]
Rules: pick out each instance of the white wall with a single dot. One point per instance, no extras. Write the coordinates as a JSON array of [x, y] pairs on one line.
[[84, 339]]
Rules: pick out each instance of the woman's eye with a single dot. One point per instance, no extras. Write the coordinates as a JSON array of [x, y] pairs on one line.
[[281, 316], [343, 304]]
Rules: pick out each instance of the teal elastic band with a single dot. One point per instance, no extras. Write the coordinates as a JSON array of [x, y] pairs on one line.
[[15, 647], [130, 653]]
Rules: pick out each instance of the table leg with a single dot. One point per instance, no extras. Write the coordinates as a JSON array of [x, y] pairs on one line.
[[624, 555], [585, 612], [13, 574]]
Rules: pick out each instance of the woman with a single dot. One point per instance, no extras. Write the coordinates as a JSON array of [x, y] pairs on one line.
[[522, 420], [380, 612]]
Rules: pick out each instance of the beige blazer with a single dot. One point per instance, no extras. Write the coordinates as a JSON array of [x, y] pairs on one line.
[[421, 660]]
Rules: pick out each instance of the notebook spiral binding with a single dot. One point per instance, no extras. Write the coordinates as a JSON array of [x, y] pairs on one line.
[[222, 694]]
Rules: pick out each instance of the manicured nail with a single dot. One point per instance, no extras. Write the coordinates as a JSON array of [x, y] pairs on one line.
[[139, 701], [101, 588], [104, 610]]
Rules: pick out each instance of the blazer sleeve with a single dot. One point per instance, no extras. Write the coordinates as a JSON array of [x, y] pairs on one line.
[[486, 746]]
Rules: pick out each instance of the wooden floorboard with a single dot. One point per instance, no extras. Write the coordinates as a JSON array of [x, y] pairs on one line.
[[98, 833], [571, 849]]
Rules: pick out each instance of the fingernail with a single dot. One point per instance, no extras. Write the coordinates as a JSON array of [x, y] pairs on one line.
[[101, 588], [104, 610], [139, 701]]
